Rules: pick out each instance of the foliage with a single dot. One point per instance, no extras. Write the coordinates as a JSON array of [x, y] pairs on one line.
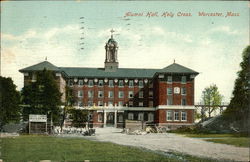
[[36, 148], [78, 117], [210, 97], [235, 141], [238, 110], [9, 102], [42, 96], [70, 99]]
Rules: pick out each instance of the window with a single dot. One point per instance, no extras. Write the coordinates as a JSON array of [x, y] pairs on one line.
[[150, 117], [91, 83], [100, 103], [130, 103], [177, 90], [169, 101], [141, 84], [151, 85], [130, 94], [140, 104], [131, 84], [183, 79], [169, 115], [34, 77], [90, 94], [110, 103], [120, 118], [140, 116], [100, 83], [80, 104], [176, 115], [100, 117], [71, 83], [80, 83], [183, 101], [130, 116], [111, 83], [90, 103], [141, 94], [120, 103], [121, 83], [184, 116], [80, 93], [161, 76], [100, 94], [151, 103], [169, 91], [120, 94], [183, 91], [150, 94], [170, 79], [111, 94]]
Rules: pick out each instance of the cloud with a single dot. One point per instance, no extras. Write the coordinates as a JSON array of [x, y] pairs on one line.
[[224, 29], [154, 47]]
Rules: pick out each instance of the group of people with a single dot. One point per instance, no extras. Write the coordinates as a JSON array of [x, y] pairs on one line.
[[74, 130]]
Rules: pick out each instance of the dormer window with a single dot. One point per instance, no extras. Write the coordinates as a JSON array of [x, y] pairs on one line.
[[121, 84], [100, 83], [183, 79], [141, 84], [34, 77], [111, 83], [80, 83], [91, 83], [170, 79], [131, 84], [161, 76]]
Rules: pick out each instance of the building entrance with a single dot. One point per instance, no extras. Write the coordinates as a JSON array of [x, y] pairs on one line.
[[110, 119]]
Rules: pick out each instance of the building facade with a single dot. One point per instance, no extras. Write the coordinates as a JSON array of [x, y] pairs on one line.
[[164, 97]]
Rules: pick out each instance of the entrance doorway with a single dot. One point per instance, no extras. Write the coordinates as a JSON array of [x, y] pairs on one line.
[[110, 119]]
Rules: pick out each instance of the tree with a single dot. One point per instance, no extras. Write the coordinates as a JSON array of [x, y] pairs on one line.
[[210, 97], [238, 110], [70, 99], [79, 117], [9, 102], [42, 96]]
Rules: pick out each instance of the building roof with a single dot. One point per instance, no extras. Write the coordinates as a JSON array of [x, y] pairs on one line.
[[177, 68], [41, 66], [101, 73]]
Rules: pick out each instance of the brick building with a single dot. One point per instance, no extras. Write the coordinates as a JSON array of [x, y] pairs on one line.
[[158, 96]]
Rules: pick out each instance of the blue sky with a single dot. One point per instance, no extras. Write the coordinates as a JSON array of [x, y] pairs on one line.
[[31, 31]]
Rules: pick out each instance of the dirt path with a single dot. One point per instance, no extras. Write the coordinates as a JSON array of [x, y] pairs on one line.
[[173, 142]]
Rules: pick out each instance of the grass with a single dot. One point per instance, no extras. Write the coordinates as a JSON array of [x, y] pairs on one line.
[[230, 139], [207, 135], [236, 141], [35, 148]]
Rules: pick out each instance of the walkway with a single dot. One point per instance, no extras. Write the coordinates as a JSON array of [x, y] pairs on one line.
[[173, 142]]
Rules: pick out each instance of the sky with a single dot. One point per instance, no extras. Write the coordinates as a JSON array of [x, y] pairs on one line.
[[74, 33]]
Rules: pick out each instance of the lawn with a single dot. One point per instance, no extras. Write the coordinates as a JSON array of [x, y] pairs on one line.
[[236, 141], [230, 139], [35, 148]]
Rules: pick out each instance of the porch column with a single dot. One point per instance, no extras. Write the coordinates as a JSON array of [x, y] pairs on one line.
[[115, 118], [104, 118]]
